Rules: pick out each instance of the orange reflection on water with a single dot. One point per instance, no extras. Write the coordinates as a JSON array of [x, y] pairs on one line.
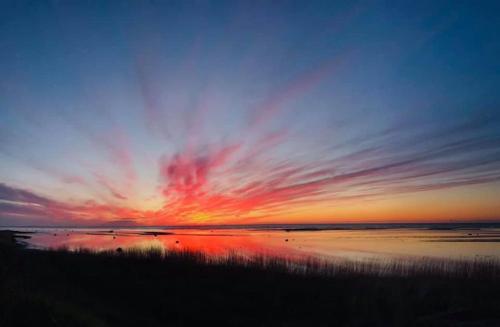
[[210, 242]]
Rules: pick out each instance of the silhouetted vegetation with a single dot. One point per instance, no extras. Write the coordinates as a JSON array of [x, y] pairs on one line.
[[151, 287]]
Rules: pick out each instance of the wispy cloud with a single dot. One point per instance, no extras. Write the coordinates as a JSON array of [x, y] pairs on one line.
[[28, 206], [220, 184], [234, 181]]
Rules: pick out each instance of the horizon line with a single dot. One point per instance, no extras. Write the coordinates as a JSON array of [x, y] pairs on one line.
[[489, 222]]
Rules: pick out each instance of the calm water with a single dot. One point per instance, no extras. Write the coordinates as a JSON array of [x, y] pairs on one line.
[[450, 241]]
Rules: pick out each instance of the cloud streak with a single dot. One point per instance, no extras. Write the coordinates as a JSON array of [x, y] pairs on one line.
[[234, 181], [443, 161]]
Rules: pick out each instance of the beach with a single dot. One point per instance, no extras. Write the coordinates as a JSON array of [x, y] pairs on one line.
[[148, 287]]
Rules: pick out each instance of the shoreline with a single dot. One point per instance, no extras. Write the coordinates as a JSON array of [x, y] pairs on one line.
[[314, 266], [13, 238]]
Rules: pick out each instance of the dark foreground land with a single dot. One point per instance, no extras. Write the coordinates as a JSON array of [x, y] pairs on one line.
[[150, 288]]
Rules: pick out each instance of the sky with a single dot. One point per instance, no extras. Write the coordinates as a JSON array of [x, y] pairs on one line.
[[242, 112]]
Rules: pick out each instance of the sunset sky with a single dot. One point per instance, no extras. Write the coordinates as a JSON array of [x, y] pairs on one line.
[[240, 112]]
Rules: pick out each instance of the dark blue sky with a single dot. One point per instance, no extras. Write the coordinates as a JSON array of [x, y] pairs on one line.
[[248, 111]]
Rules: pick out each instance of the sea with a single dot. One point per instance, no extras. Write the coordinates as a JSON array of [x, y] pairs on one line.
[[463, 241]]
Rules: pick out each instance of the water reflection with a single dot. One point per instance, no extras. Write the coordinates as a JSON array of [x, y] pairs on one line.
[[352, 244]]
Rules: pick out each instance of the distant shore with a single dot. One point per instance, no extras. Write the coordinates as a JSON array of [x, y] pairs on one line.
[[285, 227]]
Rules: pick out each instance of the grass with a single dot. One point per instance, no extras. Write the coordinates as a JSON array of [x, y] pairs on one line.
[[151, 287], [484, 269]]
